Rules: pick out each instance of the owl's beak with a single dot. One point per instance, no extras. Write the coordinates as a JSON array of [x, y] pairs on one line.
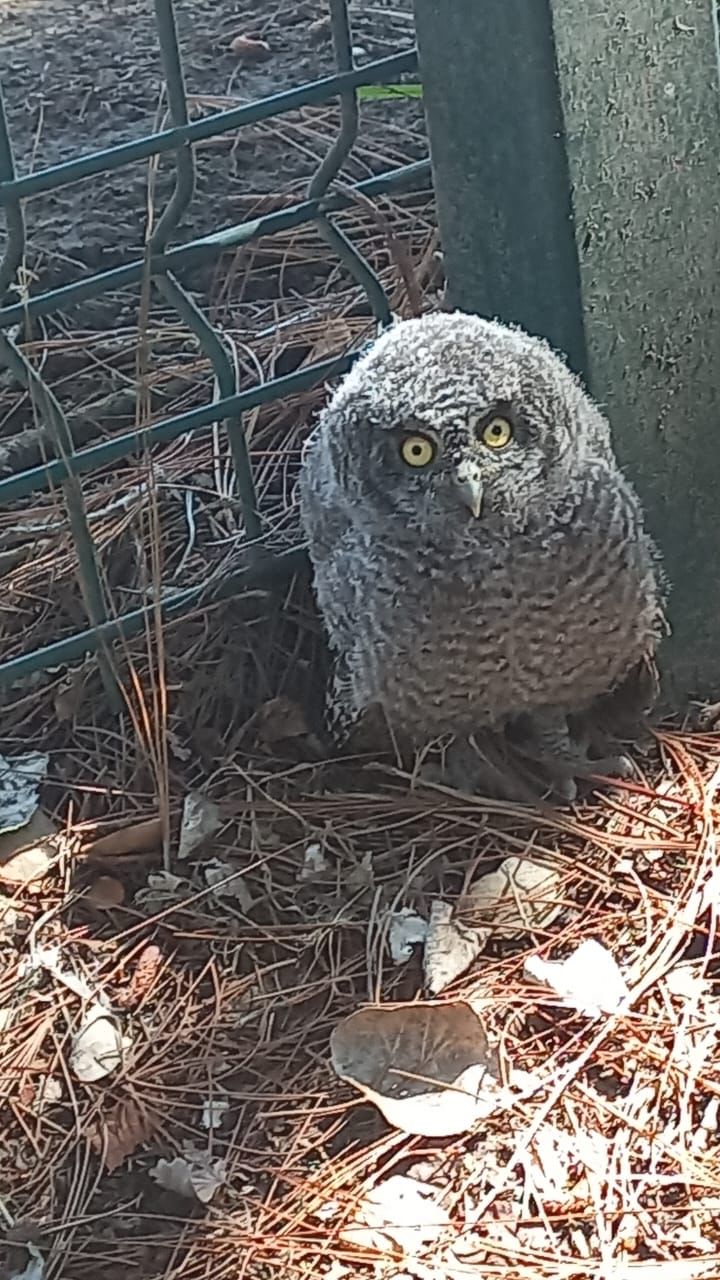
[[469, 486]]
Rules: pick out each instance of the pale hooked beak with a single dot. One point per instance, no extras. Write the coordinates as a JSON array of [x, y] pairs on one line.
[[469, 486]]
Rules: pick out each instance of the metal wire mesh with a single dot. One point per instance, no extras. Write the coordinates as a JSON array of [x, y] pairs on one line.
[[160, 265]]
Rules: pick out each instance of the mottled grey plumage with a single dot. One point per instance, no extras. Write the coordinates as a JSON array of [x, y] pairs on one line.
[[495, 586]]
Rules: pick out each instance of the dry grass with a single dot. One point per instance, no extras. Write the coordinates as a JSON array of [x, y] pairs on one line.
[[611, 1169]]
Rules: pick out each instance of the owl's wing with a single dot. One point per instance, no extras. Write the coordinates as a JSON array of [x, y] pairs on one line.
[[328, 529], [323, 510]]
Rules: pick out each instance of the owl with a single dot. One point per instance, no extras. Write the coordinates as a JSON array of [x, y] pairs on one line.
[[480, 562]]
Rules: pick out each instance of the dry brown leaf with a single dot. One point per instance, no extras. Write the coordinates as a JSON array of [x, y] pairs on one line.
[[124, 1128], [520, 894], [195, 1175], [250, 49], [148, 964], [400, 1211], [97, 1046], [27, 865], [200, 820], [428, 1068], [279, 719], [69, 694], [26, 853], [450, 948], [139, 837], [105, 892]]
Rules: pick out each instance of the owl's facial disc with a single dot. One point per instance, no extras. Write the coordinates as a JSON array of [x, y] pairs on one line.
[[468, 485]]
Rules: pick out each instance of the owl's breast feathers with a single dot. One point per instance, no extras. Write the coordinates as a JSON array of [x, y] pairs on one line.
[[555, 615]]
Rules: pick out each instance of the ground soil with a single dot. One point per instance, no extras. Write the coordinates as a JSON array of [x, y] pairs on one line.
[[82, 75]]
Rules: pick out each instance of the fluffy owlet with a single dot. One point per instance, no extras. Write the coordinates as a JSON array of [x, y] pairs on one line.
[[480, 561]]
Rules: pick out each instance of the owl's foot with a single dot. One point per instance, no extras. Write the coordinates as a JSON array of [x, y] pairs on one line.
[[486, 770], [565, 760]]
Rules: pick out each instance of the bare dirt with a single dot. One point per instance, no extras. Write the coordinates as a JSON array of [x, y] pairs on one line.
[[82, 76], [79, 77]]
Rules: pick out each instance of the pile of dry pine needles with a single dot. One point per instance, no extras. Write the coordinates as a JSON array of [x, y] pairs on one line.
[[221, 1142]]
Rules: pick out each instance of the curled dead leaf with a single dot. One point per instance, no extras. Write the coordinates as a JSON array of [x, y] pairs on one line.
[[428, 1068], [27, 865], [589, 980], [121, 1130], [139, 837], [147, 968], [200, 820], [450, 948], [195, 1175], [250, 48], [407, 931], [69, 694], [97, 1047], [227, 882]]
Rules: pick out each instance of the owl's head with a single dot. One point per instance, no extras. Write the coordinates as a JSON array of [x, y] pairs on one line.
[[453, 418]]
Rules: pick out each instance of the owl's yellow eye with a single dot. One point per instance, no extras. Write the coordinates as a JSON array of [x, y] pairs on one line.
[[497, 433], [417, 451]]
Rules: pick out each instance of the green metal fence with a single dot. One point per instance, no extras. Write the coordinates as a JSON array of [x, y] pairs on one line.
[[161, 264]]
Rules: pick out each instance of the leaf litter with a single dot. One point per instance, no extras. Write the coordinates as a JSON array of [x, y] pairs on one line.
[[200, 820], [428, 1068], [20, 780], [193, 1176], [250, 1005], [589, 980], [120, 1130]]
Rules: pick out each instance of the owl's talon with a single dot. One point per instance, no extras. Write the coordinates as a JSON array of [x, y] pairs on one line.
[[566, 771], [482, 770]]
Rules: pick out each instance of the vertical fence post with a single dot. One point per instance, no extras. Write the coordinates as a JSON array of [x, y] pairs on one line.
[[501, 178], [641, 97], [618, 103]]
